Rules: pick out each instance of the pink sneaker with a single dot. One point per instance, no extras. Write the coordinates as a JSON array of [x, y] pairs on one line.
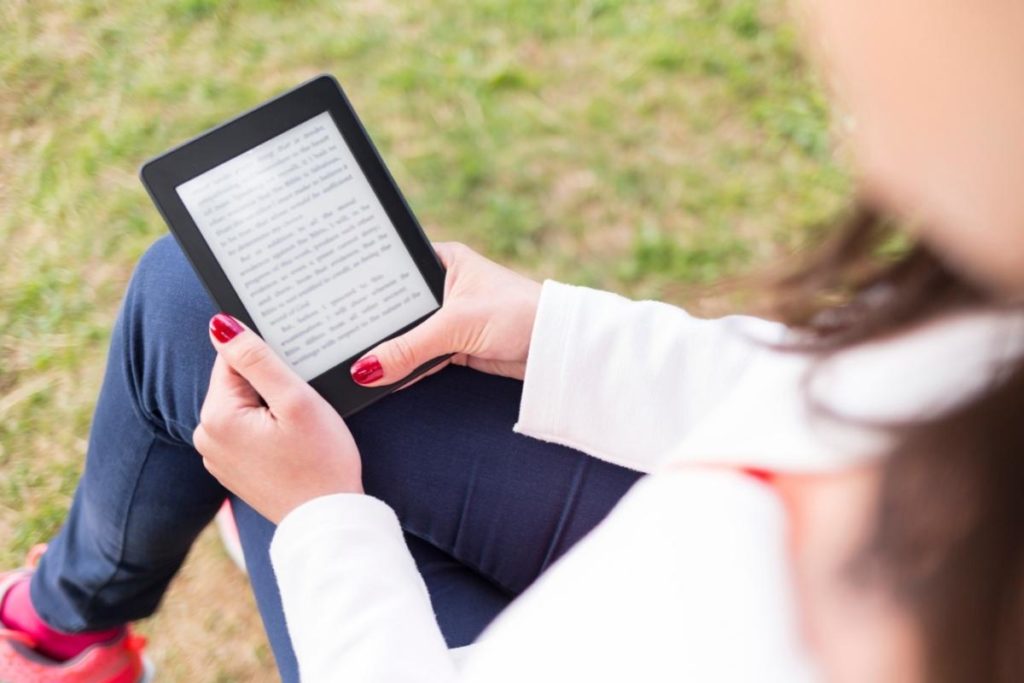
[[120, 660]]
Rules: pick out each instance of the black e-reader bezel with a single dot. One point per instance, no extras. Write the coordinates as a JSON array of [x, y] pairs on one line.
[[163, 174]]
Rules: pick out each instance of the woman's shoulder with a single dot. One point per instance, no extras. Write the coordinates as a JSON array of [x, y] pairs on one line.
[[796, 412], [921, 372]]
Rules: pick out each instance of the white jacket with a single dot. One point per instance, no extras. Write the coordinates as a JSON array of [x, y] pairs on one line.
[[688, 577]]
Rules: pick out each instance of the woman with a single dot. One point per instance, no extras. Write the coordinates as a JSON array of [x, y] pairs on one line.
[[839, 499]]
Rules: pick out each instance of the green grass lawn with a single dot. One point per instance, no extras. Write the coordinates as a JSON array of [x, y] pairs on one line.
[[648, 148]]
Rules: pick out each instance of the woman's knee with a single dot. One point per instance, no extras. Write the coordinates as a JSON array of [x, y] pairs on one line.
[[163, 338]]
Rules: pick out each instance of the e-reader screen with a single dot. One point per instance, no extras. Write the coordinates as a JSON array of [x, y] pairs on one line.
[[308, 247]]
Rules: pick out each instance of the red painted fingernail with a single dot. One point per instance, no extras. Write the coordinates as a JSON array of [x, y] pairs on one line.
[[366, 370], [224, 328]]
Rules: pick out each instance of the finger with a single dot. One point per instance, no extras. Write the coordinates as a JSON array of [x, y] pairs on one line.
[[437, 368], [228, 390], [446, 252], [249, 356], [394, 359], [201, 439], [504, 368]]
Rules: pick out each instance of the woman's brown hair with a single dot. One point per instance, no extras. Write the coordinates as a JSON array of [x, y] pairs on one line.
[[947, 541]]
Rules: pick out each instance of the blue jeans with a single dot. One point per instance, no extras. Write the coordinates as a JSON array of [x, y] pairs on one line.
[[485, 510]]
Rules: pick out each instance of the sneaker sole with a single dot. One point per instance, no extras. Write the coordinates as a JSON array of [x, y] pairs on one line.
[[228, 530], [148, 670]]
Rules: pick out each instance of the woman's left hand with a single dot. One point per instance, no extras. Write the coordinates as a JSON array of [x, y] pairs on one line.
[[278, 453]]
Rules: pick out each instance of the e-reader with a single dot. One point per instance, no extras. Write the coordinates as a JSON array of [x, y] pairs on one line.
[[295, 226]]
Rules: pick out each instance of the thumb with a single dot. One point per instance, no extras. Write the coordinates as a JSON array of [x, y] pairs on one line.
[[395, 359], [249, 356]]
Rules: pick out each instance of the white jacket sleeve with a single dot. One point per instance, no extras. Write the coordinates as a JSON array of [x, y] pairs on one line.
[[355, 604], [625, 381]]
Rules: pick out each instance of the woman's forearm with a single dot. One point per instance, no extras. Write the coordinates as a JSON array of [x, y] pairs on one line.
[[356, 606], [624, 380]]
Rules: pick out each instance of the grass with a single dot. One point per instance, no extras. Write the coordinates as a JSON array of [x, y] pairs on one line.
[[648, 148]]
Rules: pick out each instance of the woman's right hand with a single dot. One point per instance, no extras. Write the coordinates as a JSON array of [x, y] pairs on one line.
[[485, 322]]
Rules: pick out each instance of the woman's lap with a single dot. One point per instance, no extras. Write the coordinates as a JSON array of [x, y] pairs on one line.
[[486, 510]]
